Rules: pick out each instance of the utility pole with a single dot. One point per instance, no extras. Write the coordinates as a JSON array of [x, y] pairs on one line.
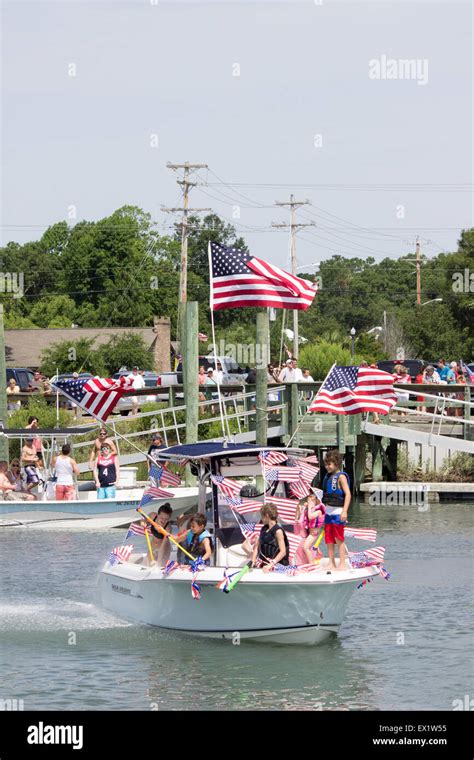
[[294, 264], [418, 272], [186, 184]]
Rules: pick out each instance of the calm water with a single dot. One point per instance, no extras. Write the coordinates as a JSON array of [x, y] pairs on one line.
[[49, 589]]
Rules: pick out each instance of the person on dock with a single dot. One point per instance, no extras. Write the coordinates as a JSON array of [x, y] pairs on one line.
[[337, 498], [197, 540], [138, 384], [160, 547], [155, 446], [272, 547], [13, 388], [65, 467], [106, 473], [102, 438], [291, 373]]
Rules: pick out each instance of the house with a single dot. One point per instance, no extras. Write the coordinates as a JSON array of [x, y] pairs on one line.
[[23, 347]]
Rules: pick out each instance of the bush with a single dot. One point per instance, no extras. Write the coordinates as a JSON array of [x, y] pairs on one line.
[[319, 358]]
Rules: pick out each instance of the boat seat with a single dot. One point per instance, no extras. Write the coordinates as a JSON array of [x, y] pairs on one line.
[[230, 556]]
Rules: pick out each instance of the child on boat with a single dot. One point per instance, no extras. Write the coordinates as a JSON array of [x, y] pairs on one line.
[[337, 498], [197, 540], [309, 520], [272, 546]]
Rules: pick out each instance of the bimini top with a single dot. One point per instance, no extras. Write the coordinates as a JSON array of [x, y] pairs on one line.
[[211, 449]]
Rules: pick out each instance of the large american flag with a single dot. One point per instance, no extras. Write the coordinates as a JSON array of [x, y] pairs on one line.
[[352, 390], [239, 279], [154, 492], [286, 508], [96, 395]]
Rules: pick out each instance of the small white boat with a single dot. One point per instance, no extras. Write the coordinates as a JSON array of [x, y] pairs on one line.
[[304, 608], [87, 511]]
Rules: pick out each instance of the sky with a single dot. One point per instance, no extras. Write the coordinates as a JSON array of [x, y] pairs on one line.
[[275, 97]]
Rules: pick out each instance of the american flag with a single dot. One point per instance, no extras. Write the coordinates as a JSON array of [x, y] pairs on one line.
[[243, 506], [300, 490], [250, 530], [367, 557], [121, 553], [352, 390], [282, 474], [308, 472], [156, 471], [239, 279], [96, 395], [286, 508], [137, 530], [466, 372], [272, 457], [152, 493], [170, 478], [227, 486], [364, 534], [313, 459]]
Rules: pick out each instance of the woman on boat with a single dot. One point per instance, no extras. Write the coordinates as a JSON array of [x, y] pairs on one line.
[[272, 547], [14, 476], [65, 467], [161, 547]]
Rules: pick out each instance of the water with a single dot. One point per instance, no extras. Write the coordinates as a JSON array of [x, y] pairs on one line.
[[405, 644]]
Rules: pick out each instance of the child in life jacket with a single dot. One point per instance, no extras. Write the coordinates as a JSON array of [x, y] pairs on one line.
[[197, 540], [313, 511]]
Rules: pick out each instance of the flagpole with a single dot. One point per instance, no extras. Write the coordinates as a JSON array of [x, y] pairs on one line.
[[309, 405], [211, 305]]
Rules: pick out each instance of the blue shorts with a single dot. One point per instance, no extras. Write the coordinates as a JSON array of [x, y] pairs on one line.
[[106, 492]]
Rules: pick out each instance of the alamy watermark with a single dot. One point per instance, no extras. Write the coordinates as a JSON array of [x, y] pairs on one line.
[[12, 282], [415, 69], [384, 495], [243, 354], [463, 282]]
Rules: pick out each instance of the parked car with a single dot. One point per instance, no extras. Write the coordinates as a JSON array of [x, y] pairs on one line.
[[413, 366], [22, 377], [232, 372]]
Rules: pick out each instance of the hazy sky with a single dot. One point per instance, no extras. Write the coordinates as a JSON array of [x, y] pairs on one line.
[[303, 116]]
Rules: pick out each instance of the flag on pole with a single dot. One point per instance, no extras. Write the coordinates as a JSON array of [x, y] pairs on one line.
[[367, 557], [170, 478], [152, 493], [95, 395], [286, 508], [282, 474], [137, 530], [243, 506], [120, 553], [300, 490], [352, 390], [239, 279], [466, 372], [227, 486], [308, 472], [269, 458]]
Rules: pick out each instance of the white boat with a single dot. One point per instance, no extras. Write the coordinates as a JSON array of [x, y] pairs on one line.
[[274, 607], [86, 511]]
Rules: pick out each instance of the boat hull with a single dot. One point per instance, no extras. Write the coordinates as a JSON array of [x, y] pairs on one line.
[[282, 609], [89, 512]]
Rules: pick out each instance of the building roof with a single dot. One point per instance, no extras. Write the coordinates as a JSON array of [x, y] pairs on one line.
[[23, 347]]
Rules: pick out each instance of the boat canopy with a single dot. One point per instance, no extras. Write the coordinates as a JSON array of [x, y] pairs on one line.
[[215, 449]]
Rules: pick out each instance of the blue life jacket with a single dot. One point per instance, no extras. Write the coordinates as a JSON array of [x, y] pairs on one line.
[[194, 544], [333, 496]]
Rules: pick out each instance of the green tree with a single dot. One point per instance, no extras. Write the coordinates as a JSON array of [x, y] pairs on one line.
[[126, 350], [320, 357], [57, 311], [72, 356]]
